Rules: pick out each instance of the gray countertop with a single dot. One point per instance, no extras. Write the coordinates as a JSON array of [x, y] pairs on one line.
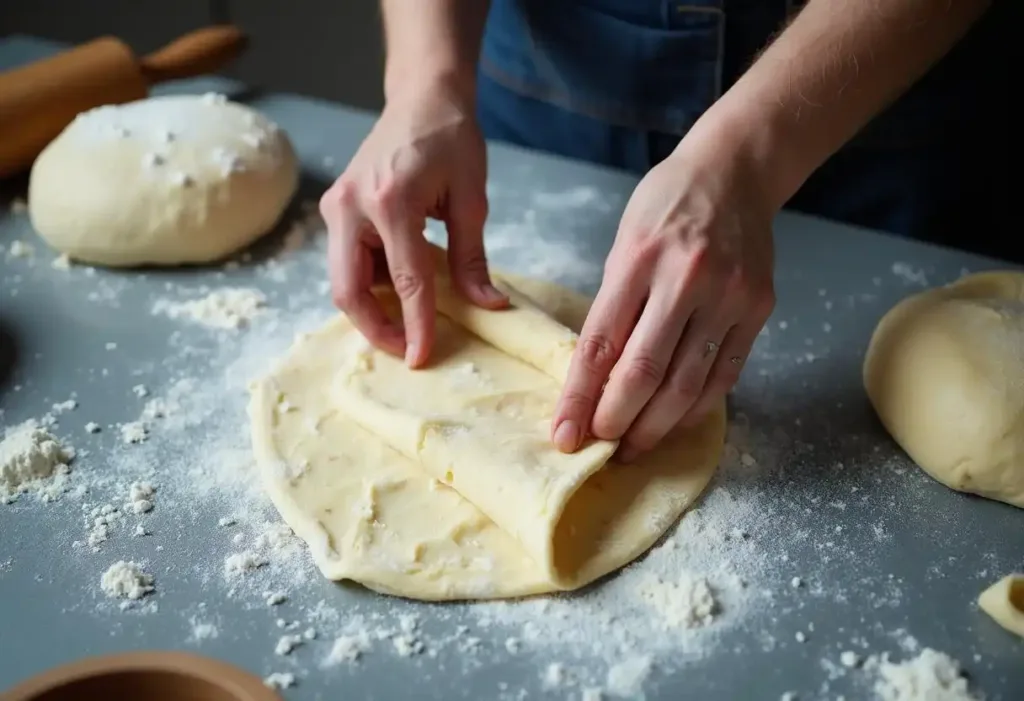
[[887, 561]]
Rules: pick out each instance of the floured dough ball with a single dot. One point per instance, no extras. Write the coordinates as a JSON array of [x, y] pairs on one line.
[[162, 181], [945, 372]]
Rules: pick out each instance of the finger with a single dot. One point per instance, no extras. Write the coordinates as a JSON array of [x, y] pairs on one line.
[[412, 275], [350, 270], [725, 371], [467, 261], [696, 353], [644, 363], [604, 334]]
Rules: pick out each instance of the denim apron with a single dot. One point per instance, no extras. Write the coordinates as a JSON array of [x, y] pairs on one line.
[[619, 82]]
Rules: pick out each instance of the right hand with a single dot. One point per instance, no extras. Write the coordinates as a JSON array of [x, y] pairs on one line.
[[425, 157]]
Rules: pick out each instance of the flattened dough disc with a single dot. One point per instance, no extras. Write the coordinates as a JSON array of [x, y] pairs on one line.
[[373, 515]]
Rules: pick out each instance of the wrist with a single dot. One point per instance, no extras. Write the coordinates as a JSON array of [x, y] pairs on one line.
[[758, 140], [405, 81]]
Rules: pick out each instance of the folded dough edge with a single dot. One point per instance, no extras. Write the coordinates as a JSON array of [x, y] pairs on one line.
[[515, 495]]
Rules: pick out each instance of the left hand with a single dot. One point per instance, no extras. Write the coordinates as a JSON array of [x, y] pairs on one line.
[[686, 289]]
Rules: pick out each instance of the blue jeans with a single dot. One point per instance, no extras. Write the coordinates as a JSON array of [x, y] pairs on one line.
[[619, 82]]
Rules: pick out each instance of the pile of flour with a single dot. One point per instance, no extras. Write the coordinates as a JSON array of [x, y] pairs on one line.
[[32, 460]]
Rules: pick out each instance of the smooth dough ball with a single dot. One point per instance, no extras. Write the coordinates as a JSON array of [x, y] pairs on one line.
[[162, 181], [945, 372]]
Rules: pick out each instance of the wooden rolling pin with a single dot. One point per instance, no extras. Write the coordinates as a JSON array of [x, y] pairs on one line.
[[38, 100]]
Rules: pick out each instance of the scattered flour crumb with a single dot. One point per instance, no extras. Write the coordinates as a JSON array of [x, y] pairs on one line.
[[347, 649], [849, 659], [592, 694], [226, 521], [627, 678], [140, 391], [275, 598], [92, 427], [909, 274], [140, 495], [226, 308], [687, 602], [202, 630], [554, 676], [126, 580], [287, 643], [99, 521], [134, 432], [20, 249], [407, 645], [930, 676], [279, 680], [67, 405], [240, 563]]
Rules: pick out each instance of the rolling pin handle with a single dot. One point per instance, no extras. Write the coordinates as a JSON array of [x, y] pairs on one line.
[[197, 53]]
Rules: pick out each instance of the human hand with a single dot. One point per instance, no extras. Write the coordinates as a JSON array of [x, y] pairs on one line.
[[425, 157], [686, 289]]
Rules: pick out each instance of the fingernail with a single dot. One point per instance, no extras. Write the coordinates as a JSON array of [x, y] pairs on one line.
[[411, 353], [492, 294], [567, 436]]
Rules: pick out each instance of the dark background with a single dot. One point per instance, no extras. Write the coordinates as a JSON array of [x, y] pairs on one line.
[[325, 48]]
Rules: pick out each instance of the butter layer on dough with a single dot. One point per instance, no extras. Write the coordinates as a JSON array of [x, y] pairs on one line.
[[1004, 603], [372, 509]]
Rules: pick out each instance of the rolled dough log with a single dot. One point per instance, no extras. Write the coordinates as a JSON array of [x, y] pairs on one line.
[[1004, 602], [945, 372], [441, 483], [163, 181]]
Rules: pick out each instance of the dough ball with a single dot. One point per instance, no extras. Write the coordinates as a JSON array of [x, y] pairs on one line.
[[162, 181], [945, 372]]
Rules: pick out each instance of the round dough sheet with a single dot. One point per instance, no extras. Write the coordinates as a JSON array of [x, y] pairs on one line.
[[373, 515]]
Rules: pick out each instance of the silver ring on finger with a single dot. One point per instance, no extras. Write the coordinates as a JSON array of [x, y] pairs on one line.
[[710, 347]]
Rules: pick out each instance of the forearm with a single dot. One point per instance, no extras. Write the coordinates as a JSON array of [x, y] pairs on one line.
[[432, 42], [835, 67]]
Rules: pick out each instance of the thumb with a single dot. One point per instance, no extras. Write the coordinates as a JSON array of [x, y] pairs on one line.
[[467, 261]]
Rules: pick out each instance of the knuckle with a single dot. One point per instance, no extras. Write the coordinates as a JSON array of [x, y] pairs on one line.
[[641, 439], [342, 193], [735, 279], [389, 193], [597, 352], [685, 387], [407, 284], [642, 250], [726, 375], [575, 403], [643, 371], [473, 262], [763, 301]]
